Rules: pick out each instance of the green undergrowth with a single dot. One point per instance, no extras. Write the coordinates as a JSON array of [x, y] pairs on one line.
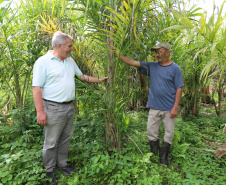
[[191, 157]]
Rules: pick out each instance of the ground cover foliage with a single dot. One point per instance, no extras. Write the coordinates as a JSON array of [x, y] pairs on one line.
[[191, 161]]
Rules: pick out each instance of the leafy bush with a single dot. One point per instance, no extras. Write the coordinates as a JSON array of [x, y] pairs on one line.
[[23, 118], [20, 160]]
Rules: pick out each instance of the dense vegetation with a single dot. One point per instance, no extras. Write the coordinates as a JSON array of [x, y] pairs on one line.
[[189, 158], [109, 144]]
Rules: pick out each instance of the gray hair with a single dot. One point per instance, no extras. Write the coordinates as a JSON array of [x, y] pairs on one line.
[[59, 38]]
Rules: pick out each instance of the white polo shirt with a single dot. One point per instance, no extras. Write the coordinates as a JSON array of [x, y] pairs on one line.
[[56, 78]]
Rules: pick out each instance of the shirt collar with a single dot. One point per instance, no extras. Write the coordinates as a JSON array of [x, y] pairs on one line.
[[51, 56]]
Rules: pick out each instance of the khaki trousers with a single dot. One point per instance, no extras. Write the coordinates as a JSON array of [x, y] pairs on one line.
[[154, 119], [57, 132]]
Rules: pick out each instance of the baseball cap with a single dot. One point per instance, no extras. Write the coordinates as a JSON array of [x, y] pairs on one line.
[[162, 45]]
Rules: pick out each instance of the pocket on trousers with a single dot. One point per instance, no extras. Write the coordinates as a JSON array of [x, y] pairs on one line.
[[52, 107]]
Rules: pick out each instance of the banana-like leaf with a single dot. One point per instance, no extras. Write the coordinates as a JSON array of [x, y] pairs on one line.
[[207, 68], [213, 50], [209, 31], [197, 54], [220, 46], [186, 22], [62, 9], [177, 14], [220, 12], [216, 27], [223, 70], [202, 23], [178, 27], [193, 11]]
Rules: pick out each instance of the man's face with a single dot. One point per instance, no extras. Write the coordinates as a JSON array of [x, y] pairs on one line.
[[66, 48], [161, 54]]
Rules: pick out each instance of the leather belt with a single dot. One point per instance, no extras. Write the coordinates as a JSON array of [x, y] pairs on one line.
[[68, 102]]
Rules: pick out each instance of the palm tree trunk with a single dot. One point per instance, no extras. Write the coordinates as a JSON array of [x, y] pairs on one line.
[[19, 99], [111, 128]]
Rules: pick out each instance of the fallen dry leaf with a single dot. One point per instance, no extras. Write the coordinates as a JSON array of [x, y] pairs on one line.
[[220, 151]]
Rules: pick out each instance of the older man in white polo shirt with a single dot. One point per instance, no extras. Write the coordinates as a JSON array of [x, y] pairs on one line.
[[53, 92]]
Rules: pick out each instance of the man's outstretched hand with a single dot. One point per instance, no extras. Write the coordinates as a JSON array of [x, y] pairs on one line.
[[104, 79]]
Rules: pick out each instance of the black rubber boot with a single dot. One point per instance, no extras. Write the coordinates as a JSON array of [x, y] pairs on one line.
[[154, 147], [164, 154], [51, 176]]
